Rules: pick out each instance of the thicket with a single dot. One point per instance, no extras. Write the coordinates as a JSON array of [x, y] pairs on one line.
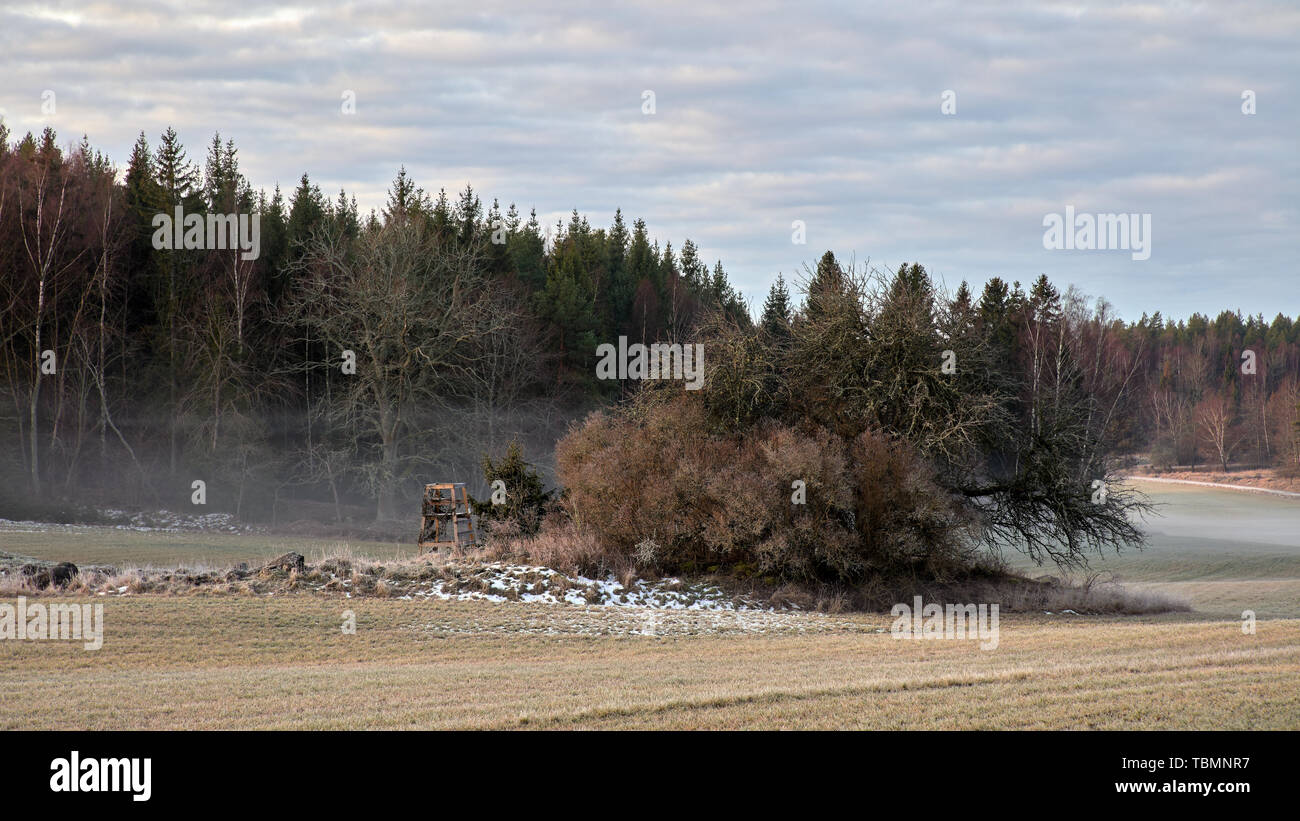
[[882, 429]]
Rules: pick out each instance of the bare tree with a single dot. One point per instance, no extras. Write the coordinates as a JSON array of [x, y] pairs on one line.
[[507, 359], [1284, 415], [1217, 420], [407, 309], [44, 238]]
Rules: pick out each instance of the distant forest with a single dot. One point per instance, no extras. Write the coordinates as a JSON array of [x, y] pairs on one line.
[[359, 356]]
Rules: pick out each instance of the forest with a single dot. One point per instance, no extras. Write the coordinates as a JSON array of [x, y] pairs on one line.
[[361, 355]]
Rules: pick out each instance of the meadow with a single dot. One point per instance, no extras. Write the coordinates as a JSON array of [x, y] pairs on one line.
[[283, 661]]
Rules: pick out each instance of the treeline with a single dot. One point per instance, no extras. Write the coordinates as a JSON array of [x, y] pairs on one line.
[[355, 356], [1199, 392], [1218, 390], [359, 355]]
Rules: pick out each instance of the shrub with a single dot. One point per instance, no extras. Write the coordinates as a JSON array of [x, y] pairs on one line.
[[665, 492], [904, 519], [526, 498], [907, 465]]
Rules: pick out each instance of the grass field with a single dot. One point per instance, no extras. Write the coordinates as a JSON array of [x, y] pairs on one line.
[[283, 662], [1224, 551], [236, 662], [83, 544]]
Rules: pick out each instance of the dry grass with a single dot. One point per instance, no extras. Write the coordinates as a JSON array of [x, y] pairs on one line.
[[283, 662], [249, 653], [1284, 478], [558, 544], [84, 545]]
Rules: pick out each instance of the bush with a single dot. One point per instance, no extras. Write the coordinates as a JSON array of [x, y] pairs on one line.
[[666, 492], [904, 519], [558, 544], [906, 466], [526, 498]]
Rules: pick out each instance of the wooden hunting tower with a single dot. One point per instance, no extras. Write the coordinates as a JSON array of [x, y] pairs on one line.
[[445, 519]]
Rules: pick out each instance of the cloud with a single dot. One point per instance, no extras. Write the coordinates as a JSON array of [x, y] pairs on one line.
[[766, 113]]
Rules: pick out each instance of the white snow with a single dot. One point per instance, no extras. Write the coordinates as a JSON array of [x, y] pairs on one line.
[[547, 586]]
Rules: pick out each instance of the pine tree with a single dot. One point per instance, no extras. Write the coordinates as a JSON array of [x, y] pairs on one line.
[[443, 221], [48, 152], [527, 251], [404, 198], [961, 301], [498, 227], [694, 271], [623, 292], [1045, 302], [345, 215], [526, 498], [306, 214], [667, 271], [26, 148], [825, 283], [777, 312], [468, 214], [616, 296], [178, 182], [566, 304], [143, 199], [177, 177], [275, 244]]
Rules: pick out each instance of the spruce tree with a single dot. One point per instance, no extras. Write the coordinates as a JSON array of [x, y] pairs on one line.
[[143, 199], [275, 243], [826, 282], [1045, 301], [468, 215], [527, 251], [306, 213], [178, 182], [776, 310], [694, 271]]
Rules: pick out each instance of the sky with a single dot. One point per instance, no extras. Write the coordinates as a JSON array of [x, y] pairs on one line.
[[939, 133]]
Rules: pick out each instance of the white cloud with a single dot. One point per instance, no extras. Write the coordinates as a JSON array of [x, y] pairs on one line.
[[768, 113]]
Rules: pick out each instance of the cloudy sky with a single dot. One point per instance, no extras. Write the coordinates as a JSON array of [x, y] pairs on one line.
[[764, 114]]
